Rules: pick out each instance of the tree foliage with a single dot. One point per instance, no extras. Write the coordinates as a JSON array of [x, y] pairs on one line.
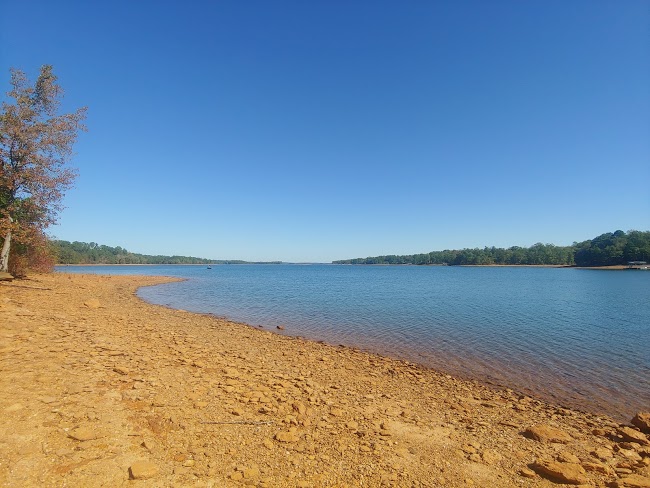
[[35, 147], [614, 248], [605, 250], [92, 253]]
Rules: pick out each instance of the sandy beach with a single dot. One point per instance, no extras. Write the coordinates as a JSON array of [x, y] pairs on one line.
[[99, 388]]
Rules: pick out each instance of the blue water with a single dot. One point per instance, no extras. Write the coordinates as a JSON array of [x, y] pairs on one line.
[[579, 338]]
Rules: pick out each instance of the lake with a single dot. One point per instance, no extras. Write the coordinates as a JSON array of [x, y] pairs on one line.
[[578, 338]]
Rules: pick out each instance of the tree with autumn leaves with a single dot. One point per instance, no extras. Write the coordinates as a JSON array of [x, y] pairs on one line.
[[35, 148]]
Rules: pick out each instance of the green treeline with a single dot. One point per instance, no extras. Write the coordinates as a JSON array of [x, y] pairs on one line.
[[92, 253], [605, 250]]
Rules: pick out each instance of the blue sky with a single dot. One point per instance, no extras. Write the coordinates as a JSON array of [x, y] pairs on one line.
[[313, 131]]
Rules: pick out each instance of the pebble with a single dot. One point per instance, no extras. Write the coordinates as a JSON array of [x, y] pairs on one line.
[[142, 470], [632, 435], [642, 421], [527, 473], [92, 303], [564, 472], [83, 434], [546, 433], [633, 481], [286, 437]]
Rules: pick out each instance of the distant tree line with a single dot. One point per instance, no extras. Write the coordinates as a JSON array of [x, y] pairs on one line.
[[605, 250], [92, 253], [613, 248]]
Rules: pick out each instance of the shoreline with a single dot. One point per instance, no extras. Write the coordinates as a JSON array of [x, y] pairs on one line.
[[96, 379]]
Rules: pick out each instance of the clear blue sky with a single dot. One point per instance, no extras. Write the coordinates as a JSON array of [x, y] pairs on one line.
[[321, 130]]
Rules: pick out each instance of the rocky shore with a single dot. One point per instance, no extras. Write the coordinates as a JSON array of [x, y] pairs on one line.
[[99, 388]]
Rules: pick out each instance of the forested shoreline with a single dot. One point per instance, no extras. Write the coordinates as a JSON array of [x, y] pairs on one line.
[[66, 252], [609, 249]]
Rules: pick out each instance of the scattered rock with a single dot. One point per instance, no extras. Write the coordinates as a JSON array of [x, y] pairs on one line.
[[632, 435], [602, 453], [546, 433], [267, 443], [490, 456], [633, 481], [352, 425], [92, 303], [286, 437], [251, 473], [337, 412], [121, 370], [568, 457], [597, 467], [642, 421], [142, 470], [527, 473], [83, 434], [570, 473], [300, 408]]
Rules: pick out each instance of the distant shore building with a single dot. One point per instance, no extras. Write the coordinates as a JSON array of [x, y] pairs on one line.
[[637, 265]]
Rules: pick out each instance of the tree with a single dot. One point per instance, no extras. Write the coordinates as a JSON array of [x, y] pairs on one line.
[[35, 147]]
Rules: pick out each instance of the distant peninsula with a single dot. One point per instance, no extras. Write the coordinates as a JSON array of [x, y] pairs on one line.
[[609, 249], [92, 253]]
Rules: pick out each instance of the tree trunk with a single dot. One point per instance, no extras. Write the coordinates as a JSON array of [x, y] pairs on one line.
[[4, 254]]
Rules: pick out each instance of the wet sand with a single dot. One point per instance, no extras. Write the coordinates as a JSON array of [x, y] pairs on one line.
[[99, 388]]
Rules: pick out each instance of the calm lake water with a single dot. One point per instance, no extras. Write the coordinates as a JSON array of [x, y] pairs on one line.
[[578, 338]]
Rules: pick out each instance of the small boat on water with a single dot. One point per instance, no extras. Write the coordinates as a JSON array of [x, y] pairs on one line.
[[209, 267]]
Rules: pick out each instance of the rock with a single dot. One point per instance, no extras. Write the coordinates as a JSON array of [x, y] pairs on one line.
[[630, 454], [602, 453], [642, 421], [121, 370], [251, 473], [490, 456], [352, 425], [597, 467], [92, 303], [546, 433], [82, 434], [567, 457], [286, 437], [570, 473], [527, 473], [300, 408], [142, 470], [337, 412], [633, 481], [632, 435]]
